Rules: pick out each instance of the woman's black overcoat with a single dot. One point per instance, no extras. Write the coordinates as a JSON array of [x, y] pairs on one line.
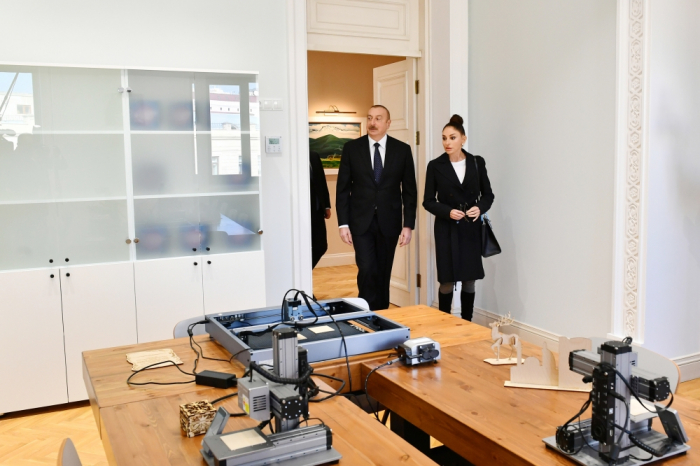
[[457, 244]]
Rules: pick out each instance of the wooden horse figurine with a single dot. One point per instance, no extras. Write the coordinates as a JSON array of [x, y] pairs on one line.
[[504, 338]]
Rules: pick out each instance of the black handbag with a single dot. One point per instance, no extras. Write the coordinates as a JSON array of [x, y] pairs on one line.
[[489, 243]]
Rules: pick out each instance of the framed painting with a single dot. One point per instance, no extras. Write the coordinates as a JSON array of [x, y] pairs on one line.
[[328, 135]]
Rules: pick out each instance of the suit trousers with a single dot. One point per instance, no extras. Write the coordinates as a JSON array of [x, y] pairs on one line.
[[319, 242], [374, 256]]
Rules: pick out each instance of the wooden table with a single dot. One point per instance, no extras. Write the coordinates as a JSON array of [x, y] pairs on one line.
[[461, 401], [140, 425]]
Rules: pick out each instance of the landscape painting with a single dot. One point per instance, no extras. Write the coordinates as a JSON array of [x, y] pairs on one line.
[[328, 139]]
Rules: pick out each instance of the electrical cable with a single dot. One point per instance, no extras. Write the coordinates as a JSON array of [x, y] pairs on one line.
[[129, 382], [332, 394], [388, 363]]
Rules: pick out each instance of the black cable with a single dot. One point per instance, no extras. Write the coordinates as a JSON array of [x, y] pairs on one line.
[[283, 380], [388, 363], [225, 397], [332, 394], [129, 382]]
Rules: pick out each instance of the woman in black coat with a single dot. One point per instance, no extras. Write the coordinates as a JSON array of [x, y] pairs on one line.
[[457, 195]]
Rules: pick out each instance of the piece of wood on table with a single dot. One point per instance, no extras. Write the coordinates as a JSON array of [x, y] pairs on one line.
[[148, 433], [461, 402], [105, 372]]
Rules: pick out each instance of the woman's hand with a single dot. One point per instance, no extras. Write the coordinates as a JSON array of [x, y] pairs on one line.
[[456, 214], [474, 213]]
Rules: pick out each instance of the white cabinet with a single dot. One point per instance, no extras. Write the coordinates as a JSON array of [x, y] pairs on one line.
[[234, 282], [33, 366], [98, 312], [167, 291], [171, 290]]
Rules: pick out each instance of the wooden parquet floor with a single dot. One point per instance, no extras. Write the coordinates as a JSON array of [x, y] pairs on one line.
[[31, 438]]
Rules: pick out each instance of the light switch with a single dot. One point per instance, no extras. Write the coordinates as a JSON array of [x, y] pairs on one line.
[[277, 104]]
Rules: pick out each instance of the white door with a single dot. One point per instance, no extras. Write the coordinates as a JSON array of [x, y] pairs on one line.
[[98, 312], [394, 88], [167, 291], [33, 361], [233, 282]]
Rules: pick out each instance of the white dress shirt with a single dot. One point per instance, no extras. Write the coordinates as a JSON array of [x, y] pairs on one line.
[[382, 154]]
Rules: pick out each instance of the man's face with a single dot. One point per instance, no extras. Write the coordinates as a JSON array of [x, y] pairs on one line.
[[377, 123]]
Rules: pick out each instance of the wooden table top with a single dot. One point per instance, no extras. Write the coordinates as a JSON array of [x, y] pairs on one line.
[[140, 425], [461, 401]]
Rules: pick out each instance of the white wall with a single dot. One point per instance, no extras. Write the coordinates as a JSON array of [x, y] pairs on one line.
[[207, 34], [542, 114], [673, 264]]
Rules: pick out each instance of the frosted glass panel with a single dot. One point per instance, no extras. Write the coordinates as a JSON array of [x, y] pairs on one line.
[[208, 182], [231, 222], [167, 227], [163, 164], [60, 99], [161, 101], [27, 236], [62, 166], [90, 232], [225, 115]]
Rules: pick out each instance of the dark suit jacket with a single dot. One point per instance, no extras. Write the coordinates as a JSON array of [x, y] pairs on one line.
[[357, 195], [319, 187], [457, 245]]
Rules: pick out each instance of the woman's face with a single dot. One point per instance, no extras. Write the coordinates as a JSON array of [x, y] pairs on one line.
[[452, 140]]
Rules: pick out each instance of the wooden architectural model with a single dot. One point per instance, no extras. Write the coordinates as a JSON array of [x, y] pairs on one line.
[[504, 338]]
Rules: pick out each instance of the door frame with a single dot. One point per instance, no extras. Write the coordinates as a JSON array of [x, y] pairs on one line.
[[299, 144]]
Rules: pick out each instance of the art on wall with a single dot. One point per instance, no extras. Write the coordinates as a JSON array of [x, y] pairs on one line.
[[327, 138]]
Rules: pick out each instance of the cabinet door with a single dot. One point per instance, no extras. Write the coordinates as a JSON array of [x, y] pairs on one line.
[[167, 291], [98, 312], [233, 282], [31, 341]]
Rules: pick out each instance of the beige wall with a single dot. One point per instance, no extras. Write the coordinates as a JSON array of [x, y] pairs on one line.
[[343, 80]]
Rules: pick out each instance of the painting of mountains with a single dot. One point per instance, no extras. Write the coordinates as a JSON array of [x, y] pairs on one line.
[[328, 140]]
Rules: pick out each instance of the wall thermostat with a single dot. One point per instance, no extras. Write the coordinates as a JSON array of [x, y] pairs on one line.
[[273, 144]]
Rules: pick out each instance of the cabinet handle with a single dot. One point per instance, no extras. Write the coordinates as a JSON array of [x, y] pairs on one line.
[[260, 232], [195, 263], [128, 241], [67, 259], [50, 261], [208, 249], [67, 274], [208, 262], [51, 275], [136, 240], [194, 249]]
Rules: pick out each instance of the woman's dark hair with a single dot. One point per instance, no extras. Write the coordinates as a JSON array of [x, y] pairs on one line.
[[456, 122]]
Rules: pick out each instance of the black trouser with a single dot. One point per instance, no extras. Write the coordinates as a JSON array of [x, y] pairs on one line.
[[374, 256], [319, 242]]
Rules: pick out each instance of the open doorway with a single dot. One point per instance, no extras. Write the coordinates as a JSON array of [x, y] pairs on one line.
[[341, 89]]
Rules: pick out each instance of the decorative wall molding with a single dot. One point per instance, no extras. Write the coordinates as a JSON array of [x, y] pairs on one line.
[[381, 27], [631, 169]]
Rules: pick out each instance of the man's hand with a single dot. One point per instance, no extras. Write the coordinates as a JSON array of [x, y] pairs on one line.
[[405, 237], [328, 214], [346, 236]]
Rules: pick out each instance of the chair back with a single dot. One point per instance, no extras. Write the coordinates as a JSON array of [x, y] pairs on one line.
[[180, 329], [652, 362], [67, 454]]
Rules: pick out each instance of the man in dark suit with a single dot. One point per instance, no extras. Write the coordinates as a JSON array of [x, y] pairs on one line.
[[375, 180], [320, 209]]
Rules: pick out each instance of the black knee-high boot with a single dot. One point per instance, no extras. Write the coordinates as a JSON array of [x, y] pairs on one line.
[[445, 302], [467, 305]]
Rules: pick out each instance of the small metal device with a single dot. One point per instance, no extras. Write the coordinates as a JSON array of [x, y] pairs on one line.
[[612, 436], [280, 395], [419, 351]]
